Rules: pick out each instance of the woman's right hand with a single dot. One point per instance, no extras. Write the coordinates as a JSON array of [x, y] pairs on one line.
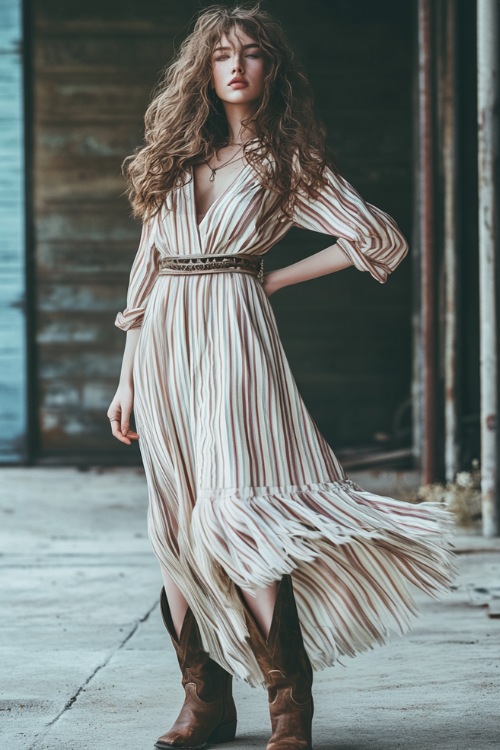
[[119, 413]]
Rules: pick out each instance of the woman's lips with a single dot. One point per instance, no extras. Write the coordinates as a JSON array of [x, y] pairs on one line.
[[238, 84]]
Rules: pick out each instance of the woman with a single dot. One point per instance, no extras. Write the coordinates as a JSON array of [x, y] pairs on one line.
[[274, 563]]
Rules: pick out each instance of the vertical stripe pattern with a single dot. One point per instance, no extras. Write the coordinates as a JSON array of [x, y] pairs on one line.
[[243, 488]]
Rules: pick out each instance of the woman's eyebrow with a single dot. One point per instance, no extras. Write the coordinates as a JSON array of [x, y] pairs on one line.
[[245, 46]]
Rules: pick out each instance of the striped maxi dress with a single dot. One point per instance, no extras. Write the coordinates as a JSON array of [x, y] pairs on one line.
[[242, 486]]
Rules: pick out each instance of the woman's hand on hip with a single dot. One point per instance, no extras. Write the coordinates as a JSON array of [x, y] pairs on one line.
[[119, 413], [270, 284]]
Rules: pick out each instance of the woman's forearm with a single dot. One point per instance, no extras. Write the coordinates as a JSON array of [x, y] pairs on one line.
[[326, 261], [128, 356]]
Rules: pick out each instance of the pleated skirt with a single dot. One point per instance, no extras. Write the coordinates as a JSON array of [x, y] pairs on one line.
[[243, 488]]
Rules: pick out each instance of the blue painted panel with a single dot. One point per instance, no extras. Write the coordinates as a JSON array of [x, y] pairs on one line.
[[13, 413]]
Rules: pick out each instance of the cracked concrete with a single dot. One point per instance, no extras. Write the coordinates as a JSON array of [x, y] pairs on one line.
[[38, 741], [86, 661]]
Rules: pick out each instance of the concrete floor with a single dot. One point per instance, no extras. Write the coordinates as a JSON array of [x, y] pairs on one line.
[[87, 663]]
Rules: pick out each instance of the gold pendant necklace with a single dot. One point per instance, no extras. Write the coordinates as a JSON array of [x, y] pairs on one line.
[[214, 170]]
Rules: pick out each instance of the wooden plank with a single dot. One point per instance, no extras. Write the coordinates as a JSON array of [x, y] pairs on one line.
[[68, 99], [104, 53]]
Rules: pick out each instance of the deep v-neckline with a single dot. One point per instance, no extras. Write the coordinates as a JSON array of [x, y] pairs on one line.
[[216, 201]]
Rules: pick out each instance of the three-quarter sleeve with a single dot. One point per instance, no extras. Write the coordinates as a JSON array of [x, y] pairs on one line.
[[368, 236], [143, 274]]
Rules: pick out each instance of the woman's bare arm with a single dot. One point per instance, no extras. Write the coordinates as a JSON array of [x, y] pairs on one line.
[[128, 356], [121, 406], [329, 260]]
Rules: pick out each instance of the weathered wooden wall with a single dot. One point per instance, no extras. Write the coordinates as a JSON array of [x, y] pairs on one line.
[[13, 329], [95, 63]]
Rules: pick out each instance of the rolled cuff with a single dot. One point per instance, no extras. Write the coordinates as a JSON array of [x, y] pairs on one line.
[[378, 270], [129, 319]]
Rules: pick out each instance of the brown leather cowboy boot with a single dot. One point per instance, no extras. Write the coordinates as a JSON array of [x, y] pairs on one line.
[[287, 670], [208, 713]]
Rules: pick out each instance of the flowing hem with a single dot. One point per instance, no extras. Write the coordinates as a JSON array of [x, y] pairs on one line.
[[352, 555], [259, 534]]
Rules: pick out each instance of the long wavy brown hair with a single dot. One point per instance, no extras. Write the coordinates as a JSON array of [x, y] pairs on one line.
[[185, 122]]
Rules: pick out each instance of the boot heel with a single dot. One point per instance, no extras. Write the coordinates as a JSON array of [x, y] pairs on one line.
[[223, 733]]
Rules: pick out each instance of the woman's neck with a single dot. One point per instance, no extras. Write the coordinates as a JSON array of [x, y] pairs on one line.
[[235, 113]]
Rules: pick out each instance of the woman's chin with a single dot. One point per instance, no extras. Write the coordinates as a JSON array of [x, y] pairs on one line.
[[239, 96]]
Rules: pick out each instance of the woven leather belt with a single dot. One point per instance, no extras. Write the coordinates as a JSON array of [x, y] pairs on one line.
[[241, 263]]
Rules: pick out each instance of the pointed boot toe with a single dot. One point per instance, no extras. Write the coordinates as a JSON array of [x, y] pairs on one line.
[[208, 713]]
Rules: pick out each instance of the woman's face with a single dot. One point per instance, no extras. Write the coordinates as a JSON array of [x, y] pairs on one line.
[[238, 56]]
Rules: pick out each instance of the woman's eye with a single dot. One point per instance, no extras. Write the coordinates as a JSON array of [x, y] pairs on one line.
[[225, 57]]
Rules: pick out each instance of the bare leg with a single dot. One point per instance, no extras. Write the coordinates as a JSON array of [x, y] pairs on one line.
[[178, 605], [262, 607]]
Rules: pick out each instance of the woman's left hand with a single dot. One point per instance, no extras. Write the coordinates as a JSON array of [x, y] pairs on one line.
[[269, 283]]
